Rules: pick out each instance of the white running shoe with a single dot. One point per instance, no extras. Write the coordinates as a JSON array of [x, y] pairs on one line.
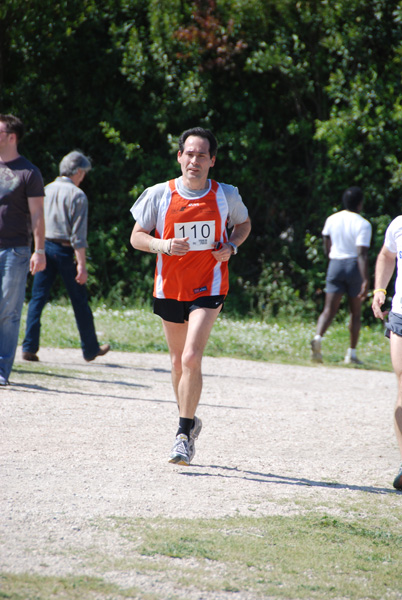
[[179, 453], [316, 355], [194, 433], [352, 360]]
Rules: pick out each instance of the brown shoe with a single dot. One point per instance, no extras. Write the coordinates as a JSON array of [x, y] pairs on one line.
[[30, 356], [101, 352]]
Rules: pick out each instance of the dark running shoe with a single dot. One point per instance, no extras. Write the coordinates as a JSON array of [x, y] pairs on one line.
[[101, 352], [398, 480], [30, 356]]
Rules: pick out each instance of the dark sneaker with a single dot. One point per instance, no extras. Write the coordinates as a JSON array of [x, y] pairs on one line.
[[398, 480], [30, 356], [179, 453], [194, 433], [101, 352]]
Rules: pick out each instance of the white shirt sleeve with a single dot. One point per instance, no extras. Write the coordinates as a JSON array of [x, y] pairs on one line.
[[394, 231], [238, 212], [364, 235], [325, 230], [145, 209]]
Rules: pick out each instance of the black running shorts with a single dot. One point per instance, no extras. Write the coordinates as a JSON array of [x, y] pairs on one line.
[[177, 311]]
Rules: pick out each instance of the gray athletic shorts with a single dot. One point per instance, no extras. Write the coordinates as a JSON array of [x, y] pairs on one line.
[[343, 277], [394, 324]]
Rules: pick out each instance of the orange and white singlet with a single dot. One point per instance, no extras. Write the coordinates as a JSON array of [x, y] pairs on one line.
[[203, 220]]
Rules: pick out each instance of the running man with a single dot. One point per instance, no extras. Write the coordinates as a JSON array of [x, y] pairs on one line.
[[347, 237], [190, 216], [384, 269]]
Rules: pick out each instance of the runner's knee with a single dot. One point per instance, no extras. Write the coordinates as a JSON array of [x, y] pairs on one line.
[[191, 360], [176, 363]]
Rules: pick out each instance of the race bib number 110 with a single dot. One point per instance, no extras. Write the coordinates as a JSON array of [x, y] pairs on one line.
[[201, 234]]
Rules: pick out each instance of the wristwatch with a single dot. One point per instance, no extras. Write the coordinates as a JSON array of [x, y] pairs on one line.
[[234, 247]]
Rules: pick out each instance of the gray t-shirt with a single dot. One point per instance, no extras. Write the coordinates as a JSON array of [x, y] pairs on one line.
[[19, 180], [145, 209]]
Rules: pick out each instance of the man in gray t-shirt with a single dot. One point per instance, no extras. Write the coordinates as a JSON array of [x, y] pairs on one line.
[[21, 216]]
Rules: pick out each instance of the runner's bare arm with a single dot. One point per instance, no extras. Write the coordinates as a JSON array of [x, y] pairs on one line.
[[239, 234], [384, 269], [141, 239], [362, 261], [326, 240]]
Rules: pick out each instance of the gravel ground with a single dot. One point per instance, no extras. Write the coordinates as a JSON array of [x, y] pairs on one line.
[[84, 441]]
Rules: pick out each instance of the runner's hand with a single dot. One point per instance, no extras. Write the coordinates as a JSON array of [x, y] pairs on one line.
[[179, 246], [378, 301], [364, 290], [223, 254]]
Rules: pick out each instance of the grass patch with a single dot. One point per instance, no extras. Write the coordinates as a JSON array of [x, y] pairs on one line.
[[280, 557], [35, 587], [310, 556], [139, 330]]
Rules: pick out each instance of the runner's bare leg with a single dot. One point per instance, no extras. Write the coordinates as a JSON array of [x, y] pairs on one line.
[[175, 334], [396, 358], [187, 358]]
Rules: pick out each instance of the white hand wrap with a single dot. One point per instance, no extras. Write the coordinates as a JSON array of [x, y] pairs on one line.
[[163, 246]]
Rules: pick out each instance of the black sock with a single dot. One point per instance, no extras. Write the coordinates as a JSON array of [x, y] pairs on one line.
[[184, 426]]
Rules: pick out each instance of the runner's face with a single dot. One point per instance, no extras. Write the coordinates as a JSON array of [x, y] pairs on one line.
[[195, 162]]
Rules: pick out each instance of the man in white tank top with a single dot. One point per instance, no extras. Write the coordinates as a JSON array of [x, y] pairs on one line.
[[347, 237]]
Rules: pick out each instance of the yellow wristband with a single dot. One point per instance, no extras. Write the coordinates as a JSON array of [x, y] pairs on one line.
[[380, 290]]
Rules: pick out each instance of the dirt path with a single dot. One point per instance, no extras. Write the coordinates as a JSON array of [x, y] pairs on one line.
[[81, 441]]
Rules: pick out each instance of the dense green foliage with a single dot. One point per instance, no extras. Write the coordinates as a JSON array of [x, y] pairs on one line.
[[304, 98]]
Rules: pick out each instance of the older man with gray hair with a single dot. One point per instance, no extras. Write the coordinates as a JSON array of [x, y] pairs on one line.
[[66, 223]]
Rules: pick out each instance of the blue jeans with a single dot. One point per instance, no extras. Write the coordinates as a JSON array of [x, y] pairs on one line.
[[14, 267], [60, 259]]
